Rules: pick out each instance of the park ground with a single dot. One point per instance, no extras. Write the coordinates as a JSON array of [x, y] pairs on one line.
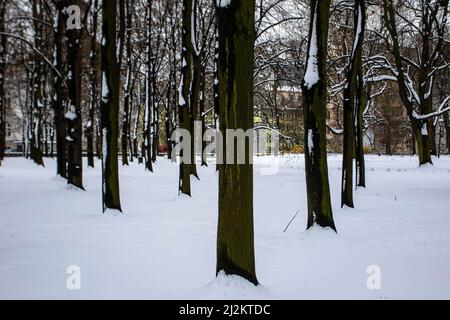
[[163, 245]]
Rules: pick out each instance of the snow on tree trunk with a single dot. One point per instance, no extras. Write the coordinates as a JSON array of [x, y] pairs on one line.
[[185, 92], [315, 107], [352, 97], [110, 107], [90, 128], [147, 142]]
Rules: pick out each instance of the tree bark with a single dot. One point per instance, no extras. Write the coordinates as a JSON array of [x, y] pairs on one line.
[[195, 88], [36, 113], [364, 96], [110, 107], [420, 127], [352, 101], [2, 82], [127, 96], [315, 108], [147, 143], [447, 131], [186, 81], [235, 236], [90, 129], [73, 116]]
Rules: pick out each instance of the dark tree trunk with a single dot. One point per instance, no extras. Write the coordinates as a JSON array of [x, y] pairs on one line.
[[315, 108], [174, 97], [73, 116], [168, 117], [184, 104], [203, 117], [195, 89], [447, 131], [110, 107], [2, 81], [147, 143], [363, 102], [155, 115], [93, 108], [352, 104], [235, 236], [420, 127], [136, 119], [36, 113], [216, 85], [127, 96]]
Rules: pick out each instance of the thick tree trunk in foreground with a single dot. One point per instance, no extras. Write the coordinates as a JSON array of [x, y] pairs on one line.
[[235, 236], [315, 107], [110, 107]]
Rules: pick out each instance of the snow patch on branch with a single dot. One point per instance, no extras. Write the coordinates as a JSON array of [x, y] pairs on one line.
[[223, 3], [312, 69], [358, 30], [105, 88]]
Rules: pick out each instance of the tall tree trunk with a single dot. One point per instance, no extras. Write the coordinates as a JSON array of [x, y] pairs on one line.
[[352, 97], [36, 151], [315, 107], [447, 131], [203, 116], [216, 86], [195, 88], [168, 117], [147, 143], [184, 103], [235, 236], [127, 95], [110, 107], [90, 129], [136, 118], [155, 115], [174, 84], [362, 105], [73, 115], [2, 81], [419, 127]]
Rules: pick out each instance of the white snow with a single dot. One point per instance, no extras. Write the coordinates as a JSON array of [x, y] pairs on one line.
[[312, 67], [164, 246], [223, 3], [310, 142], [105, 88], [71, 114], [359, 30], [424, 129]]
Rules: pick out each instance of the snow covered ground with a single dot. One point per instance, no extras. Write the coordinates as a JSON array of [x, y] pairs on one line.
[[164, 246]]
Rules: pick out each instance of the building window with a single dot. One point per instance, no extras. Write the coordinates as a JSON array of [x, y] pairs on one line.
[[8, 129]]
